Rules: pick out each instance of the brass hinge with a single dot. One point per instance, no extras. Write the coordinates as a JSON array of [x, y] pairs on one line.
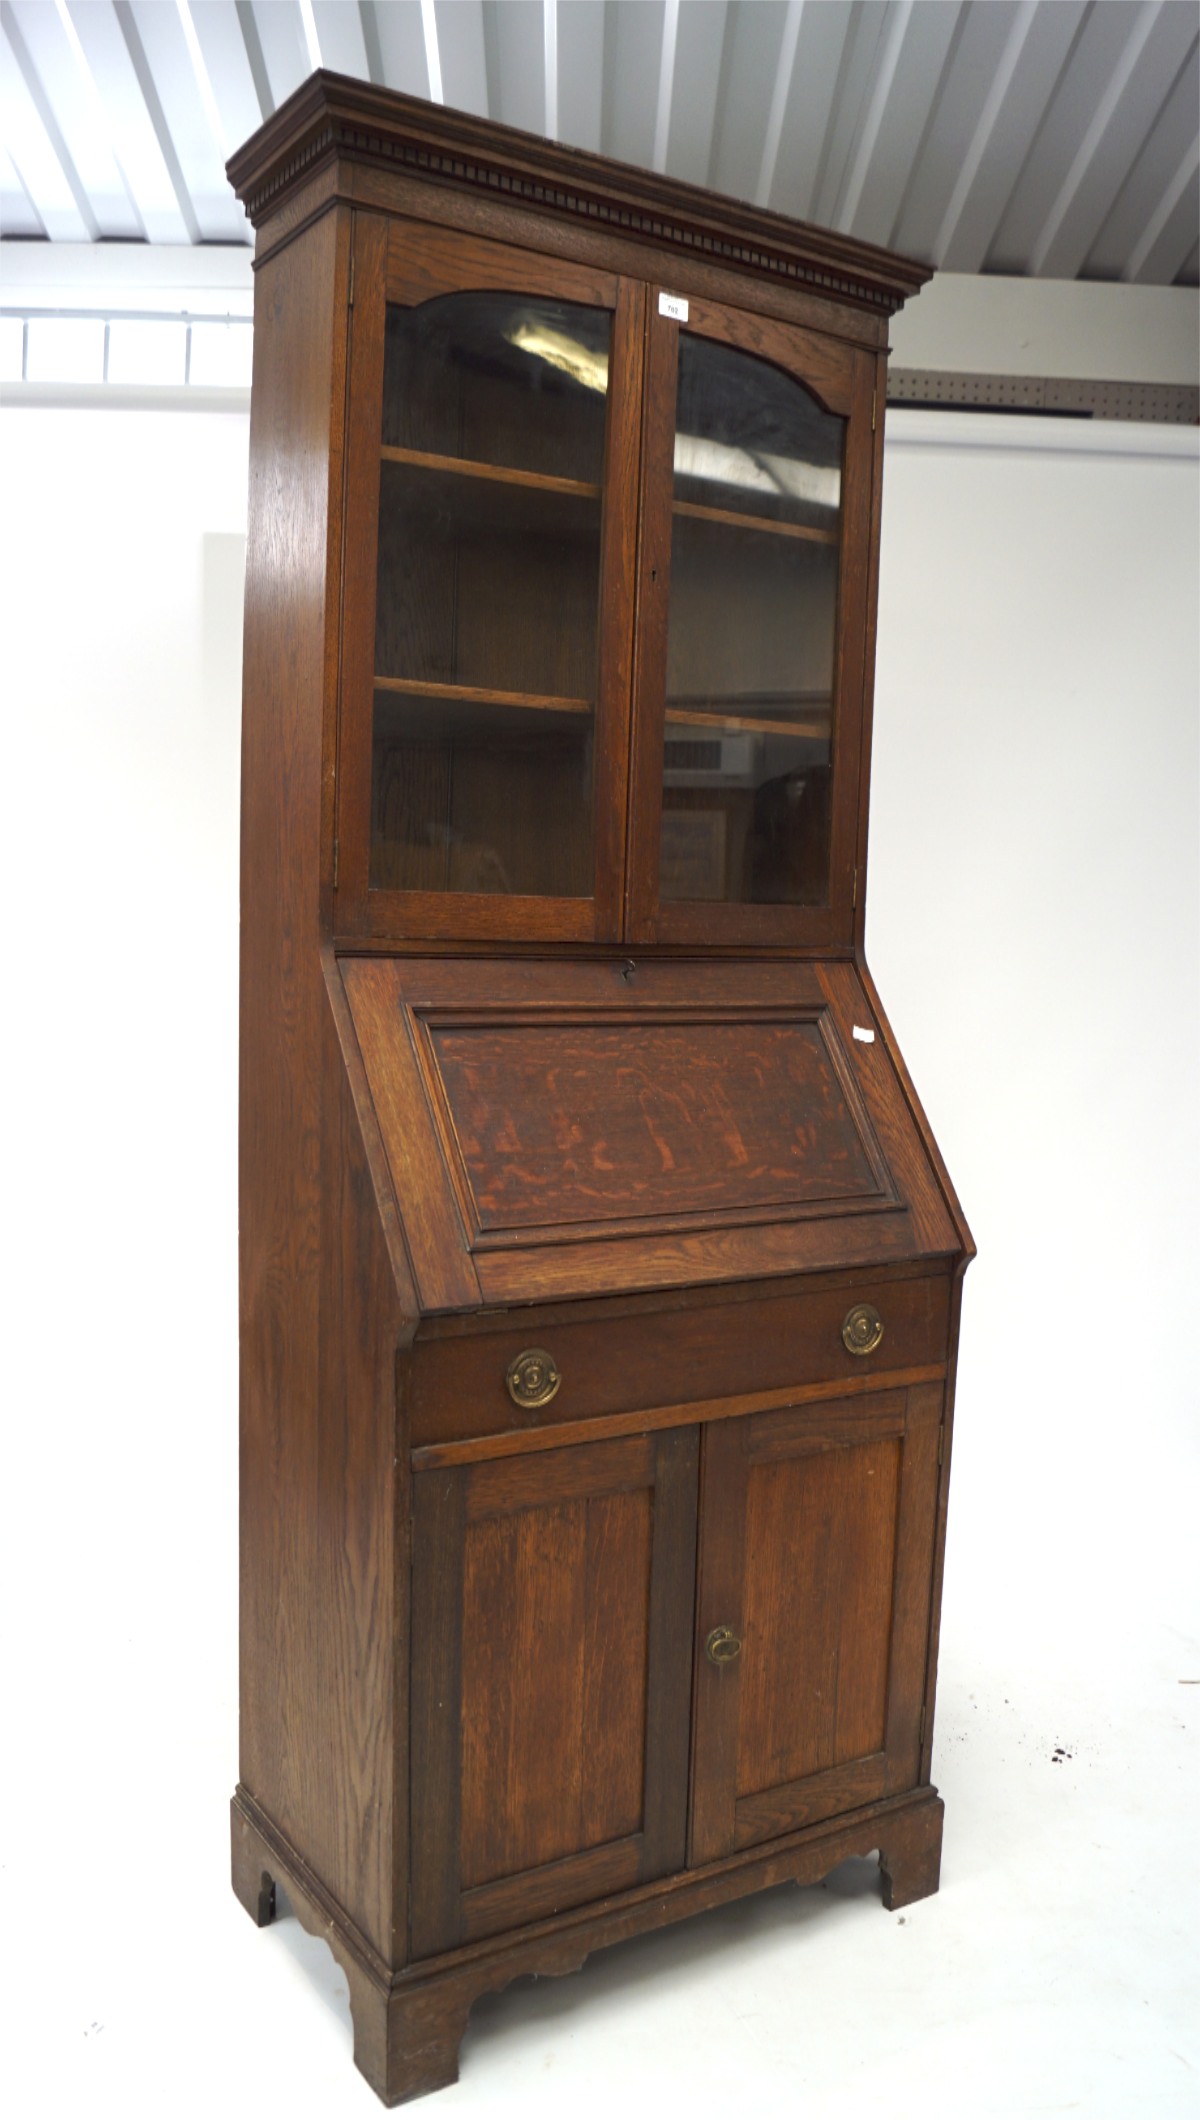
[[942, 1444], [854, 892], [921, 1731], [874, 406], [350, 296], [335, 881]]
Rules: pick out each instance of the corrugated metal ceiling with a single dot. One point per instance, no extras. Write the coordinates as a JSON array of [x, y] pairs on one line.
[[1053, 138]]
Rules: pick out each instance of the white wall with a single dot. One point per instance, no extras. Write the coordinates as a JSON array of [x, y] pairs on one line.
[[1033, 928], [1033, 933]]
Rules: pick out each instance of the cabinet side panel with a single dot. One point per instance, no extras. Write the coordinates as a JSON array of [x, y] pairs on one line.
[[290, 621], [358, 1844]]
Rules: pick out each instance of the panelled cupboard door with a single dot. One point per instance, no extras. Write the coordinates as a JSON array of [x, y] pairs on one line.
[[753, 608], [817, 1528], [551, 1656], [491, 503]]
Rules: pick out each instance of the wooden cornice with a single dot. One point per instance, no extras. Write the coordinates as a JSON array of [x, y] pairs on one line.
[[332, 118]]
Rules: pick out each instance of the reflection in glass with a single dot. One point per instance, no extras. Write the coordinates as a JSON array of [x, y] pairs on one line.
[[754, 579], [487, 596]]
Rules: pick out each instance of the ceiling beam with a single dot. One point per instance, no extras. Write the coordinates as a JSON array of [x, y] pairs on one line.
[[1177, 189], [433, 58], [896, 27], [43, 115], [779, 102], [550, 66], [1010, 59], [666, 82]]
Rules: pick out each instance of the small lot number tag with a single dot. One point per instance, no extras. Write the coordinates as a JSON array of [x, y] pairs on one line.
[[864, 1037], [673, 305]]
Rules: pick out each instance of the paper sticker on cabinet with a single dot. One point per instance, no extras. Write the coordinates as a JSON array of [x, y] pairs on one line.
[[673, 305], [864, 1037]]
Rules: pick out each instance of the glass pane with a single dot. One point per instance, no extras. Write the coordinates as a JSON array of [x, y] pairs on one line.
[[487, 596], [750, 646]]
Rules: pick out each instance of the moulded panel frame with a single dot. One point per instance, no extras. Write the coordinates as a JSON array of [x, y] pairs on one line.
[[725, 1820], [409, 263], [842, 380]]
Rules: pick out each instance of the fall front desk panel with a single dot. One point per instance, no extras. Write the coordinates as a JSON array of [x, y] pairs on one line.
[[558, 1130]]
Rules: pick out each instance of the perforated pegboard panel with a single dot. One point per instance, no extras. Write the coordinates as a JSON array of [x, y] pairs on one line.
[[1175, 404]]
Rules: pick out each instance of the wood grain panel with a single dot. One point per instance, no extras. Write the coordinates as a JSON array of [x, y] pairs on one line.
[[552, 1731], [435, 1746], [827, 367], [836, 1428], [555, 1629], [817, 1553], [356, 689], [721, 1569], [424, 261], [443, 1269], [915, 1559], [586, 1122], [687, 1352], [400, 1004], [362, 1546], [512, 1902], [773, 1812], [593, 1468], [522, 1690], [322, 1304], [815, 1525], [894, 1112]]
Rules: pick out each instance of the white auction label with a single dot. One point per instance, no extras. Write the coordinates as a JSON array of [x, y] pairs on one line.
[[864, 1037], [673, 305]]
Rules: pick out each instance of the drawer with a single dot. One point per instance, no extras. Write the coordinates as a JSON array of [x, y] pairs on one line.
[[613, 1362]]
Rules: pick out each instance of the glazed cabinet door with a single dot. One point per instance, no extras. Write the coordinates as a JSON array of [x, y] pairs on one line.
[[551, 1672], [813, 1613], [755, 597], [491, 495]]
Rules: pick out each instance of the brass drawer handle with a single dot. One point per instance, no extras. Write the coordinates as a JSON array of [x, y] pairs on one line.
[[722, 1646], [863, 1329], [532, 1378]]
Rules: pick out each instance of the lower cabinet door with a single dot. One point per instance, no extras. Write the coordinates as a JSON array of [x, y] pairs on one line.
[[816, 1553], [552, 1635]]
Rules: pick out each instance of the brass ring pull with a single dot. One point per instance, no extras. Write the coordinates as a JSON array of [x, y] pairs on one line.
[[863, 1329], [532, 1378], [722, 1646]]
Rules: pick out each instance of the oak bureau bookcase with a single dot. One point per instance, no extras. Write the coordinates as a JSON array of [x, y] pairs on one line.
[[599, 1274]]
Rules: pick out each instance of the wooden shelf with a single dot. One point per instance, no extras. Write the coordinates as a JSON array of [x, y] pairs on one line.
[[501, 474], [768, 523], [753, 724], [478, 695]]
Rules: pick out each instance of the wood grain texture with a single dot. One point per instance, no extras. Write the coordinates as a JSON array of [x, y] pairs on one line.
[[915, 1533], [425, 261], [533, 230], [718, 1357], [407, 2034], [891, 1105], [321, 1309], [835, 1427], [438, 1529], [721, 1575], [812, 1555], [817, 1611], [878, 406], [364, 1321], [552, 1620], [444, 1273], [587, 1123], [333, 116], [408, 1012]]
